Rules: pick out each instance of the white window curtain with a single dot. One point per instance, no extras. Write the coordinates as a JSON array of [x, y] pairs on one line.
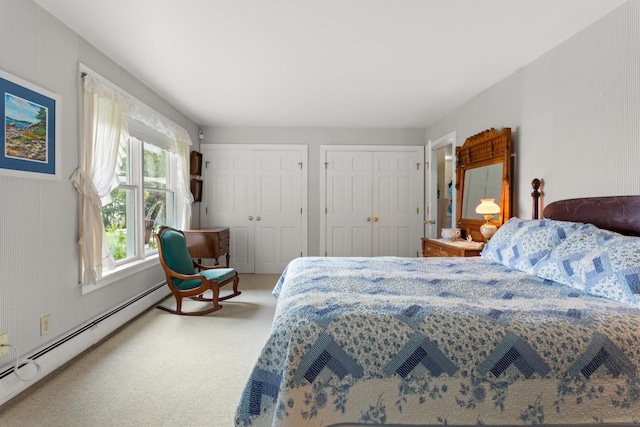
[[104, 128], [103, 132]]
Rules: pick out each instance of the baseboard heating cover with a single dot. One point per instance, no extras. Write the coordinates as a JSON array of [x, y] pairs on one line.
[[69, 346]]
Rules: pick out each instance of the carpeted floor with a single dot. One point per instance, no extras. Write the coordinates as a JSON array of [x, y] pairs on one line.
[[160, 369]]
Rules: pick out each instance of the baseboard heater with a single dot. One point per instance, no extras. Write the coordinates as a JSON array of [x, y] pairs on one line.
[[79, 340]]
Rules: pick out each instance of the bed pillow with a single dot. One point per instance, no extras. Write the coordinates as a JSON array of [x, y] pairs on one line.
[[600, 262], [521, 244]]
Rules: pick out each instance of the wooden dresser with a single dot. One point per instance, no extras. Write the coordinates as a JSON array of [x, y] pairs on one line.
[[443, 248], [208, 243]]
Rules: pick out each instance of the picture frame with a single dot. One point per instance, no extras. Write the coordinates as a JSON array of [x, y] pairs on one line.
[[196, 163], [30, 135], [196, 189]]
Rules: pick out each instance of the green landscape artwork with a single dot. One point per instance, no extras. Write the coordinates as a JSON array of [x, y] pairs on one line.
[[25, 129]]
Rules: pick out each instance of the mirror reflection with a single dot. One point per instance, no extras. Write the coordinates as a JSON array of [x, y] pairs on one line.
[[444, 187], [480, 183]]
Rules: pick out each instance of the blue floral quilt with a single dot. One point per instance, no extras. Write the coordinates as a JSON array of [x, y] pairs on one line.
[[434, 341]]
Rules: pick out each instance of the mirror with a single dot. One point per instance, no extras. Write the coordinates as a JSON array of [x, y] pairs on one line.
[[484, 182], [483, 172]]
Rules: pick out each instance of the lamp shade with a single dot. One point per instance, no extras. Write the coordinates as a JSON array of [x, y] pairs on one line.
[[487, 207]]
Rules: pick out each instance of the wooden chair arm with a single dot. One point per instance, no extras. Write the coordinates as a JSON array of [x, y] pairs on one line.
[[206, 267], [188, 276]]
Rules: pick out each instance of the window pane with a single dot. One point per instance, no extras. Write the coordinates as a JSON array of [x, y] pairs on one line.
[[155, 214], [123, 173], [156, 166], [119, 223]]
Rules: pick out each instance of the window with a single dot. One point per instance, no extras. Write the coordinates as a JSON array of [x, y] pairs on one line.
[[143, 201], [133, 166]]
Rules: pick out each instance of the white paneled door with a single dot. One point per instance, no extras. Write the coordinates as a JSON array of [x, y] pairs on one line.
[[373, 201], [348, 203], [278, 209], [260, 194]]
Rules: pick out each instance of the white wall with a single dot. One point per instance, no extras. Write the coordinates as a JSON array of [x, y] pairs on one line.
[[314, 138], [39, 260], [574, 113]]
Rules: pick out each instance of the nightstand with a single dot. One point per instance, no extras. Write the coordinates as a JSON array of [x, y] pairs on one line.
[[444, 247]]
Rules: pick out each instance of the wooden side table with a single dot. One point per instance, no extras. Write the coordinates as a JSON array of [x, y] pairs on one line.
[[444, 248], [210, 243]]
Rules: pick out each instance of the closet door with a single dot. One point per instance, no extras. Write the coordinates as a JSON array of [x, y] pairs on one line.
[[373, 201], [396, 203], [229, 201], [278, 209], [260, 193], [348, 203]]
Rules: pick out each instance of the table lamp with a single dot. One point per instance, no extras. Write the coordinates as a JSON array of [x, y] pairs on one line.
[[488, 208]]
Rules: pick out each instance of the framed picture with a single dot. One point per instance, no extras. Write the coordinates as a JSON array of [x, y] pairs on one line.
[[31, 131], [196, 163], [196, 189]]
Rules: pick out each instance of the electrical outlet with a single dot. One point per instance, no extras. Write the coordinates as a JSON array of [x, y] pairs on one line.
[[4, 339], [44, 325]]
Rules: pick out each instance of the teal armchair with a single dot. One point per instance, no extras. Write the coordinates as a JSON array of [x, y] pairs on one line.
[[189, 279]]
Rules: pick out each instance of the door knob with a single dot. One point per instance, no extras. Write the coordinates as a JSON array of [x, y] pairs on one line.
[[368, 219], [375, 219], [250, 218], [258, 218]]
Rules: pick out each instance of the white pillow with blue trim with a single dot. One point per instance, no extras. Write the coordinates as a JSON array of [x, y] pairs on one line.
[[521, 244]]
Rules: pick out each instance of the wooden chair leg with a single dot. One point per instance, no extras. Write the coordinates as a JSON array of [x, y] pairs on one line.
[[236, 292]]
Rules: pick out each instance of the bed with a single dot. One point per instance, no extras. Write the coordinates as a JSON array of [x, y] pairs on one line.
[[543, 328]]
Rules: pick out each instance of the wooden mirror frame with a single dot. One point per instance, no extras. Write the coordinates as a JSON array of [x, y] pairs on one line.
[[483, 149]]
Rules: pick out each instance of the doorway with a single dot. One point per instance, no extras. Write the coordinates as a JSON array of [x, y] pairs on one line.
[[441, 184]]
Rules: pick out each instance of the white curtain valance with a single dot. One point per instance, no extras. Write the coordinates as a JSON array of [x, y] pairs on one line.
[[140, 112]]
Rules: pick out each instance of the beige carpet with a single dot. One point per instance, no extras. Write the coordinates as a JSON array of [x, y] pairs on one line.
[[160, 369]]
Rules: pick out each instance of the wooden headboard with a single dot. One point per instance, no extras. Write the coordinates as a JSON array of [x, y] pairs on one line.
[[616, 213]]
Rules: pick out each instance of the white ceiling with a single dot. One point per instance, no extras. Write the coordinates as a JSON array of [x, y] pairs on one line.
[[323, 63]]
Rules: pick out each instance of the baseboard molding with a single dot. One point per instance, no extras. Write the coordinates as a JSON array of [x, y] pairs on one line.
[[71, 345]]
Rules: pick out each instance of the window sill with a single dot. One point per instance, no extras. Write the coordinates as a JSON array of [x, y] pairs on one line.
[[121, 272]]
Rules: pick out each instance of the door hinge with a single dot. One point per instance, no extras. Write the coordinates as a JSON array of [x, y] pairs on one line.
[[325, 253], [300, 165], [300, 253], [326, 165], [418, 211], [300, 211], [417, 166], [206, 165], [206, 211], [326, 211]]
